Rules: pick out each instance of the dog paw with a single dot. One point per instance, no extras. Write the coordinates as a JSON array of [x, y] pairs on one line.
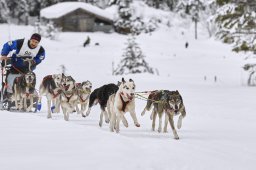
[[52, 109], [100, 124], [176, 137], [159, 130], [107, 121], [49, 116], [117, 130], [39, 106], [125, 123], [151, 117], [83, 115], [137, 124]]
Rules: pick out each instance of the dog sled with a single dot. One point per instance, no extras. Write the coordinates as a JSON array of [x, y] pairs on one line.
[[7, 101]]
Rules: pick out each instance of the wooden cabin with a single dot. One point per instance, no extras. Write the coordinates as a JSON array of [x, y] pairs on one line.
[[78, 17]]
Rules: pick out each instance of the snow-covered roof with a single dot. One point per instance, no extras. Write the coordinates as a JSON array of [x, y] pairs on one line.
[[60, 9]]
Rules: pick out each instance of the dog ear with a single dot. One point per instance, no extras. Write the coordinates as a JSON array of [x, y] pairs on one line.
[[130, 80], [118, 83], [123, 80], [73, 80], [181, 99]]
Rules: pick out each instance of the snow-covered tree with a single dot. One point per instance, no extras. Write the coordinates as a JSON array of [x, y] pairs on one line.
[[162, 4], [222, 2], [123, 23], [129, 23], [133, 60], [193, 9], [114, 2], [48, 30], [190, 6], [4, 11], [99, 3], [236, 23], [19, 9]]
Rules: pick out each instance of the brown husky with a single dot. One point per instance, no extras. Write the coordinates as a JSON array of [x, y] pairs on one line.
[[169, 102]]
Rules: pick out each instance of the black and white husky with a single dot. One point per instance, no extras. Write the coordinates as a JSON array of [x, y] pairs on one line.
[[121, 102], [51, 88], [101, 95]]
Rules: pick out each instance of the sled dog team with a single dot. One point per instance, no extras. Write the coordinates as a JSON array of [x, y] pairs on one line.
[[114, 99]]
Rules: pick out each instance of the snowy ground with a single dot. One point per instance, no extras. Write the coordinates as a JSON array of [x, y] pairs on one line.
[[218, 132]]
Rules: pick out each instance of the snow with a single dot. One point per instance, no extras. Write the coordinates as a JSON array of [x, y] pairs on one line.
[[63, 8], [218, 132]]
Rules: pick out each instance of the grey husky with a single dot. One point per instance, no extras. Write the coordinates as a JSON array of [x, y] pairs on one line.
[[169, 102]]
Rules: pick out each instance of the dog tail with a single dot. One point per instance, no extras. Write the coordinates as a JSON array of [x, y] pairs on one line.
[[92, 99], [149, 102]]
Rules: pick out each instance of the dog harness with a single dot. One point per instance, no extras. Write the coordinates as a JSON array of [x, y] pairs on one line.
[[51, 90], [123, 102], [68, 98], [83, 100]]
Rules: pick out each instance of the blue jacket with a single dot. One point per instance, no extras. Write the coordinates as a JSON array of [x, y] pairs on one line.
[[17, 62]]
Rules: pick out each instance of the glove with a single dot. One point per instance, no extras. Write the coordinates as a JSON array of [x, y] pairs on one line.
[[25, 63], [6, 61]]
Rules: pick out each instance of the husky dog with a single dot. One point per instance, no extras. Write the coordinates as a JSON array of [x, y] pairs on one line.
[[169, 102], [83, 92], [121, 102], [69, 97], [51, 87], [24, 88], [101, 95]]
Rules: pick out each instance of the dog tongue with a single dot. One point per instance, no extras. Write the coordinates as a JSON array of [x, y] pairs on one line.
[[130, 97], [66, 87]]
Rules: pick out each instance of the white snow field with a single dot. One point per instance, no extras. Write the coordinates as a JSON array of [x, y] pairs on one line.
[[219, 131]]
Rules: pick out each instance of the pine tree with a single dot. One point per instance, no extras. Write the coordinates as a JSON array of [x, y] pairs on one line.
[[193, 9], [236, 24], [222, 2], [123, 23], [133, 60], [19, 9], [114, 2], [46, 3], [34, 7], [128, 23], [4, 11], [162, 4]]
